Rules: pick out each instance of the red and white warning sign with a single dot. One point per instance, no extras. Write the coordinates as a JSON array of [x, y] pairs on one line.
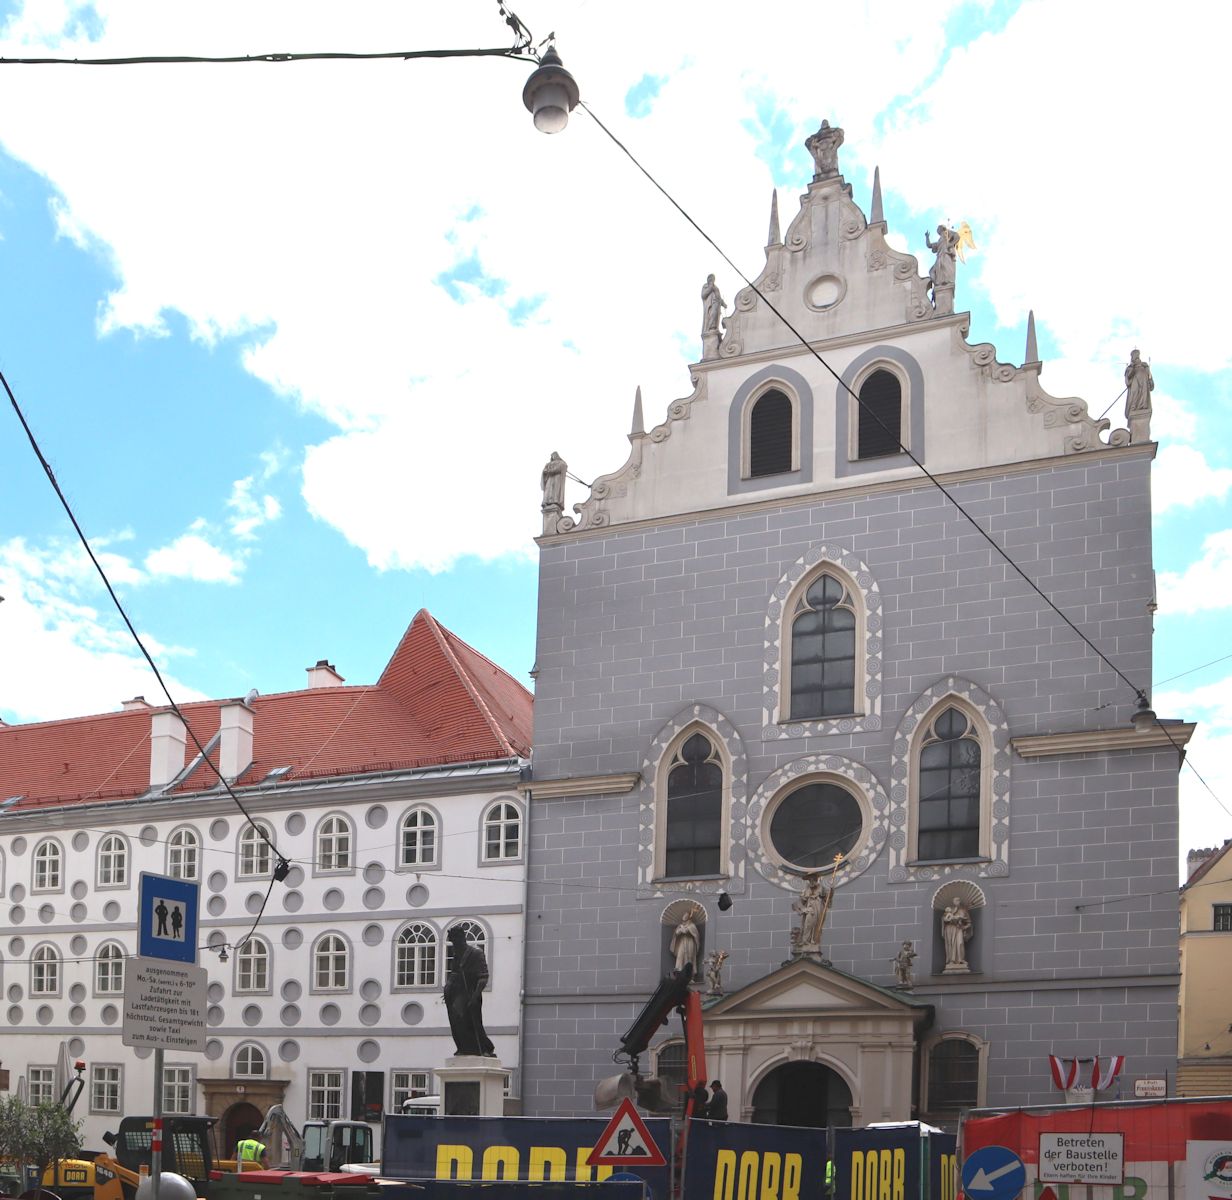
[[626, 1142]]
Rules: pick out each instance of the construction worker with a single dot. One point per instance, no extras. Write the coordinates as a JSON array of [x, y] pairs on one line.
[[250, 1153]]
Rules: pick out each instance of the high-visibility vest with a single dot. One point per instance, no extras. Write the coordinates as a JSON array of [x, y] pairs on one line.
[[249, 1150]]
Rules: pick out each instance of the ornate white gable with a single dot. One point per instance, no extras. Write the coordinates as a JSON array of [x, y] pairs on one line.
[[858, 302]]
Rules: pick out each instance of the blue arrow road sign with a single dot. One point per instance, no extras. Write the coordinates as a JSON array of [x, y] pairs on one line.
[[993, 1173], [167, 918]]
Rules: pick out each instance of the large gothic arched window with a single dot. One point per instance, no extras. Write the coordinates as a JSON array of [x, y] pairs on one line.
[[823, 650], [949, 803], [693, 827]]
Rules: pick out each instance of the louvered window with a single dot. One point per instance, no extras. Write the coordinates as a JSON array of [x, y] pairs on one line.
[[881, 415], [770, 436]]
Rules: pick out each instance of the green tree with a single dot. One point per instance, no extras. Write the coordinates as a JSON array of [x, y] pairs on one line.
[[37, 1134]]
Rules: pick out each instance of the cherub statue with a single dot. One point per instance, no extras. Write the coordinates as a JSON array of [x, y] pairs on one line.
[[714, 968], [903, 961]]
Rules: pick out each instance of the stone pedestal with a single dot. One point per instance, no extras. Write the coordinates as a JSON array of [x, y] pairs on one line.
[[472, 1086], [943, 299]]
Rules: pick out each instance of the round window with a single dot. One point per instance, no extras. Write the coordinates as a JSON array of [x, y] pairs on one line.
[[815, 823]]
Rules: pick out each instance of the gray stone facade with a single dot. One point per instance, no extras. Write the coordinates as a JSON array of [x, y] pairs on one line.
[[667, 607], [1077, 942]]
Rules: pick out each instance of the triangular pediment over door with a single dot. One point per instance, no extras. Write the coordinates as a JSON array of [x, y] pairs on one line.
[[806, 1012]]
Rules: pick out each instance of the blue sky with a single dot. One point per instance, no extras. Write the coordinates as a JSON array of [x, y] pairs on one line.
[[297, 339]]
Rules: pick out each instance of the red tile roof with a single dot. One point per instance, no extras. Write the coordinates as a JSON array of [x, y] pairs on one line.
[[438, 701]]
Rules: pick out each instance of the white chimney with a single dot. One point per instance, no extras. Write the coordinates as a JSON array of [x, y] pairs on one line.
[[324, 675], [235, 746], [167, 739], [137, 702]]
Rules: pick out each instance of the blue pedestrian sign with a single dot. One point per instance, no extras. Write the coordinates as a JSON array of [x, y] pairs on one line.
[[167, 918], [993, 1173]]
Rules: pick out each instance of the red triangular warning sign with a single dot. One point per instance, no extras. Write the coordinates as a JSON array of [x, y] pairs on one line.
[[626, 1142]]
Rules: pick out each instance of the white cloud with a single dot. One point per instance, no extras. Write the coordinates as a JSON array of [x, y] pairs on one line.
[[1205, 585], [248, 511], [68, 656], [1205, 821], [1182, 477], [191, 556], [355, 190]]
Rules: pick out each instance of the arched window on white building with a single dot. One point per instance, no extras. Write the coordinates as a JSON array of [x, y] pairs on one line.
[[252, 966], [331, 966], [335, 843], [255, 856], [502, 832], [45, 971], [184, 854], [251, 1062], [417, 845], [112, 861], [415, 956], [109, 970], [48, 867]]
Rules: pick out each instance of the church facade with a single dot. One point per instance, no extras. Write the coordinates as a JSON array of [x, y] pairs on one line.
[[778, 664]]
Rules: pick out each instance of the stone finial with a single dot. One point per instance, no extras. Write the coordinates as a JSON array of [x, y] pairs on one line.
[[823, 146], [876, 212], [774, 238], [1032, 345], [638, 429]]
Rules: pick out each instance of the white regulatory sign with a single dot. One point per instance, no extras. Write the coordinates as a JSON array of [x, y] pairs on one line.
[[164, 1005], [1082, 1158]]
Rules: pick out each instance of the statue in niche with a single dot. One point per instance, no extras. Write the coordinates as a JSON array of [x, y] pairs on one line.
[[811, 904], [468, 975], [712, 305], [903, 969], [714, 972], [1139, 384], [956, 931], [686, 941], [553, 483], [823, 146]]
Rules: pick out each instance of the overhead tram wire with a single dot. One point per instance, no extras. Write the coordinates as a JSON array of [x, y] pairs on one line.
[[283, 866], [1139, 692], [513, 52]]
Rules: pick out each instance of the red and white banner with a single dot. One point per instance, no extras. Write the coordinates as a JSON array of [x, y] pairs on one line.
[[1101, 1081], [1064, 1072]]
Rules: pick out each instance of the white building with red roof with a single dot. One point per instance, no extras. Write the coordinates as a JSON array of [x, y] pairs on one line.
[[395, 805]]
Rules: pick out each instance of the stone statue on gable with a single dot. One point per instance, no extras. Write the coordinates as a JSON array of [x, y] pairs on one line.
[[552, 480], [1139, 384], [823, 146], [712, 304], [941, 275]]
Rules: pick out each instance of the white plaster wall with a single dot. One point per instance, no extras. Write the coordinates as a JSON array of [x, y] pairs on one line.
[[291, 1022]]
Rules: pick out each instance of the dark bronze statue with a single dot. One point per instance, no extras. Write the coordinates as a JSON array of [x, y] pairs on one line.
[[464, 997]]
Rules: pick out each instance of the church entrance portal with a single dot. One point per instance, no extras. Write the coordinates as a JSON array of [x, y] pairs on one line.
[[802, 1093]]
